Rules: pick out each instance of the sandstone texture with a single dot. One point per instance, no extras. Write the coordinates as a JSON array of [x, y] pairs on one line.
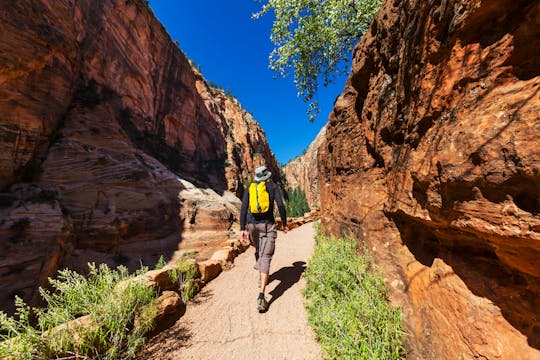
[[432, 158], [170, 308], [246, 145], [105, 128], [302, 172]]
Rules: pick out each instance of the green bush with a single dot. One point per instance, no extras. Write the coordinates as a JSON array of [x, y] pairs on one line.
[[347, 304], [160, 263], [184, 274], [297, 204], [30, 333]]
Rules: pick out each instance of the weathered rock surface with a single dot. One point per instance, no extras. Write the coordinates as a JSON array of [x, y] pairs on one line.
[[101, 117], [208, 220], [246, 145], [170, 308], [432, 158], [209, 269], [302, 172]]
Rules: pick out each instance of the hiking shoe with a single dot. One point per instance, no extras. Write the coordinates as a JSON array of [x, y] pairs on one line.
[[262, 305]]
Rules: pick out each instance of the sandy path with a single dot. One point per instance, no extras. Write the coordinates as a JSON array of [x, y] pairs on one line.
[[223, 322]]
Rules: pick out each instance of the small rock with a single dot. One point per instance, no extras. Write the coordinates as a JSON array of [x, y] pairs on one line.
[[224, 255], [209, 269]]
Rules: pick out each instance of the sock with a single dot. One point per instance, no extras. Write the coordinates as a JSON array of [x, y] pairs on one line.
[[261, 295]]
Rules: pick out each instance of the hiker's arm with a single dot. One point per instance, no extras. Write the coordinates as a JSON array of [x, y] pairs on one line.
[[281, 208], [243, 217], [243, 210]]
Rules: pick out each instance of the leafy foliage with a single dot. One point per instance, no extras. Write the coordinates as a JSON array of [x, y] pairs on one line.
[[184, 273], [33, 333], [297, 204], [313, 39], [347, 306], [160, 263]]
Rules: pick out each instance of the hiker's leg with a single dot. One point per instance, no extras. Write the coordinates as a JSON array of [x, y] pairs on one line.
[[254, 240], [268, 238], [264, 281]]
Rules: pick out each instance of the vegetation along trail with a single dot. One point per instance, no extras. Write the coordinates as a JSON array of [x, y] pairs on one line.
[[222, 322]]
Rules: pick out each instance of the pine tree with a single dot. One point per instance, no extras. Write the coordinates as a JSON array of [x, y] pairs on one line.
[[297, 204]]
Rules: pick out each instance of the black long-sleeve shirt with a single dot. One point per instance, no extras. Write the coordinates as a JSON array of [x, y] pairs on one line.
[[268, 217]]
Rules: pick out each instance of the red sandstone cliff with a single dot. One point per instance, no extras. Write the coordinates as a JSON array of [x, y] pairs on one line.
[[246, 145], [104, 129], [432, 158], [302, 172]]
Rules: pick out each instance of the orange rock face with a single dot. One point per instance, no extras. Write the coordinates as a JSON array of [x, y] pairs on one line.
[[302, 172], [432, 158], [246, 145], [102, 118]]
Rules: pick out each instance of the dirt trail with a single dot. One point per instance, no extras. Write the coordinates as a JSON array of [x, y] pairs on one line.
[[223, 322]]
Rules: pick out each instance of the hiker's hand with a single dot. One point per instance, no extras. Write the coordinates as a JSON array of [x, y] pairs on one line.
[[284, 229], [244, 237]]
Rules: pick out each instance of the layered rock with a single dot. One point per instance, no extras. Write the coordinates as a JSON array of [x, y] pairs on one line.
[[102, 126], [302, 172], [208, 220], [246, 144], [432, 159]]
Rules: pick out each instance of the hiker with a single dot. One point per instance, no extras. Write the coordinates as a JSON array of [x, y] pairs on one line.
[[257, 222]]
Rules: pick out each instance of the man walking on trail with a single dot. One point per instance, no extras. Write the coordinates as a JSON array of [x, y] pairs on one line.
[[257, 221]]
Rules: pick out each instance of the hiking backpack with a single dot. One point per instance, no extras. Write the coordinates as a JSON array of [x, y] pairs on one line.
[[259, 199]]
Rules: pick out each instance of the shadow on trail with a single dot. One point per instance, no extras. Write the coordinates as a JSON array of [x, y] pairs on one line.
[[203, 296], [288, 276], [165, 342]]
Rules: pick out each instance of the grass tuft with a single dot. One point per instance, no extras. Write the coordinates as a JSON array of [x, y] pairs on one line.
[[184, 273], [347, 303]]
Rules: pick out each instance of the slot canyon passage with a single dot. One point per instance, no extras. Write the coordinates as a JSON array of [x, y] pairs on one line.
[[115, 149]]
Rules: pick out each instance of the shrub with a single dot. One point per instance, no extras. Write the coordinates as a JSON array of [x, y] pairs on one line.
[[347, 303], [160, 263], [111, 308], [184, 273]]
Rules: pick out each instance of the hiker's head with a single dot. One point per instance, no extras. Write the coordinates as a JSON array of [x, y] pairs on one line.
[[262, 174]]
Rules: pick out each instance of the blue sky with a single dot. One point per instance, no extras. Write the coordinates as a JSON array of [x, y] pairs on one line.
[[232, 50]]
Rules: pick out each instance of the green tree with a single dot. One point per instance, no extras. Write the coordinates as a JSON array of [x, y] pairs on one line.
[[314, 39], [297, 204]]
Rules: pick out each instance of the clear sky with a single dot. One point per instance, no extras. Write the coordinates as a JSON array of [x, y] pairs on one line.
[[232, 50]]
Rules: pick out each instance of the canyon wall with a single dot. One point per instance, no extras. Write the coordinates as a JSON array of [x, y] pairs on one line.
[[111, 147], [432, 159], [302, 171], [246, 145]]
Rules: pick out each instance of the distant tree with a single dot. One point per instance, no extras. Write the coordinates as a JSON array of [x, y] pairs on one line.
[[297, 204], [314, 39]]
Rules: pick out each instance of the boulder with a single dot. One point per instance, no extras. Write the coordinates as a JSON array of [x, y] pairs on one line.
[[170, 308]]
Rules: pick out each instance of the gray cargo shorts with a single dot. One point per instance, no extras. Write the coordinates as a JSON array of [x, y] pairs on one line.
[[263, 237]]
